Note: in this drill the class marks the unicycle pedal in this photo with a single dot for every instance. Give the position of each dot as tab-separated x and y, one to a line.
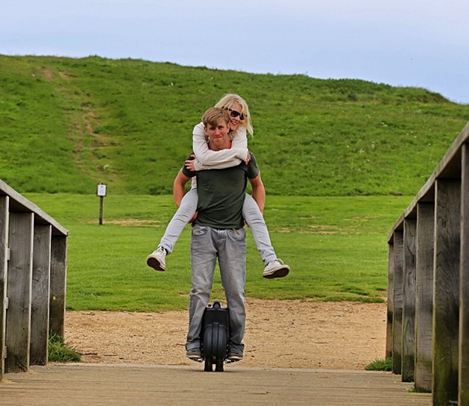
214	336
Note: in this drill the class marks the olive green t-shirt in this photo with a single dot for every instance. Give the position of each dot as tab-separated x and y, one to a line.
221	194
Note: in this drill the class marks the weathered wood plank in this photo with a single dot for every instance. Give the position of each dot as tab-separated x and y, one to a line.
390	301
446	300
4	200
398	297
464	283
408	305
85	384
58	284
19	203
424	296
19	292
40	294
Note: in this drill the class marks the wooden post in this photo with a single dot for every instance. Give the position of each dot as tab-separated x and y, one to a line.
101	209
446	299
408	305
390	304
40	295
101	192
424	299
398	300
4	200
464	283
19	292
58	284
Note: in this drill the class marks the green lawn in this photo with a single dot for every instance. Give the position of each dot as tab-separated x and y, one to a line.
336	248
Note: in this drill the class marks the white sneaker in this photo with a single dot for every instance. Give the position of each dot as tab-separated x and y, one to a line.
276	269
157	259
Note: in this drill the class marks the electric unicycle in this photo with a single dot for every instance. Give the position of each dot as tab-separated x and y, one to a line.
214	336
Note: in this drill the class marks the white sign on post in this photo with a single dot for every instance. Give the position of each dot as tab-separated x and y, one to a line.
102	189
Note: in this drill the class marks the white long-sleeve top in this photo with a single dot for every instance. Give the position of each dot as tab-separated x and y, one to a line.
226	158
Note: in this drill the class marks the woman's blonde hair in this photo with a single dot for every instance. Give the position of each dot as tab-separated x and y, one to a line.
228	100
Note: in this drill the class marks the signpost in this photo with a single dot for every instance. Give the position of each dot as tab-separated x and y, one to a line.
102	191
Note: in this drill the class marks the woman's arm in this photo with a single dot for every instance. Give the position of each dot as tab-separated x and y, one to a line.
208	159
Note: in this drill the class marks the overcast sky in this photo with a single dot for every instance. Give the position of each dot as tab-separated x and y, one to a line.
419	43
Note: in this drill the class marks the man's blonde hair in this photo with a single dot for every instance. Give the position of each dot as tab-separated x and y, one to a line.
213	115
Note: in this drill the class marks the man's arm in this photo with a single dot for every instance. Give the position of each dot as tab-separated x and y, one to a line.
258	191
179	187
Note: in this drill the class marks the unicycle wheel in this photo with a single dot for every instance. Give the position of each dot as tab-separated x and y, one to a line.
214	347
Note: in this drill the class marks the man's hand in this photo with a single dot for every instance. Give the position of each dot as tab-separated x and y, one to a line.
194	217
248	159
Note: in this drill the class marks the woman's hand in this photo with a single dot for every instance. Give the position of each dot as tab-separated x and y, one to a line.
190	163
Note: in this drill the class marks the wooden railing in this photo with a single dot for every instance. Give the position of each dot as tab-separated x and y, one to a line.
33	257
428	292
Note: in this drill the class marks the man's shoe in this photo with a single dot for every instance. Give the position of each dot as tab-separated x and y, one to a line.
194	354
276	269
157	259
234	355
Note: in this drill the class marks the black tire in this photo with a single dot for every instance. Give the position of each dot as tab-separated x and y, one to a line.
219	365
208	364
207	348
219	350
214	348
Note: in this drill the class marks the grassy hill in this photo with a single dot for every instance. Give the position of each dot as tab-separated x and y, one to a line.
67	124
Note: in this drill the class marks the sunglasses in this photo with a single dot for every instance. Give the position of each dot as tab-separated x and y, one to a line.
234	113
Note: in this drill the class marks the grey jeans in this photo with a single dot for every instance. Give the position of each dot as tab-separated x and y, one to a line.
251	214
229	247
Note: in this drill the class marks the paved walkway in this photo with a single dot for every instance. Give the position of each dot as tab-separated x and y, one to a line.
138	385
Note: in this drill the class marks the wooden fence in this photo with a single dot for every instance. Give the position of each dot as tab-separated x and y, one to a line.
33	257
428	271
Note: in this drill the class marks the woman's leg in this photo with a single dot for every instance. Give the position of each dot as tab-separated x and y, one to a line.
255	220
183	215
274	267
185	212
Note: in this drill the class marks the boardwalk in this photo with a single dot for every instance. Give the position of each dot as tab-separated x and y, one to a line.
138	385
